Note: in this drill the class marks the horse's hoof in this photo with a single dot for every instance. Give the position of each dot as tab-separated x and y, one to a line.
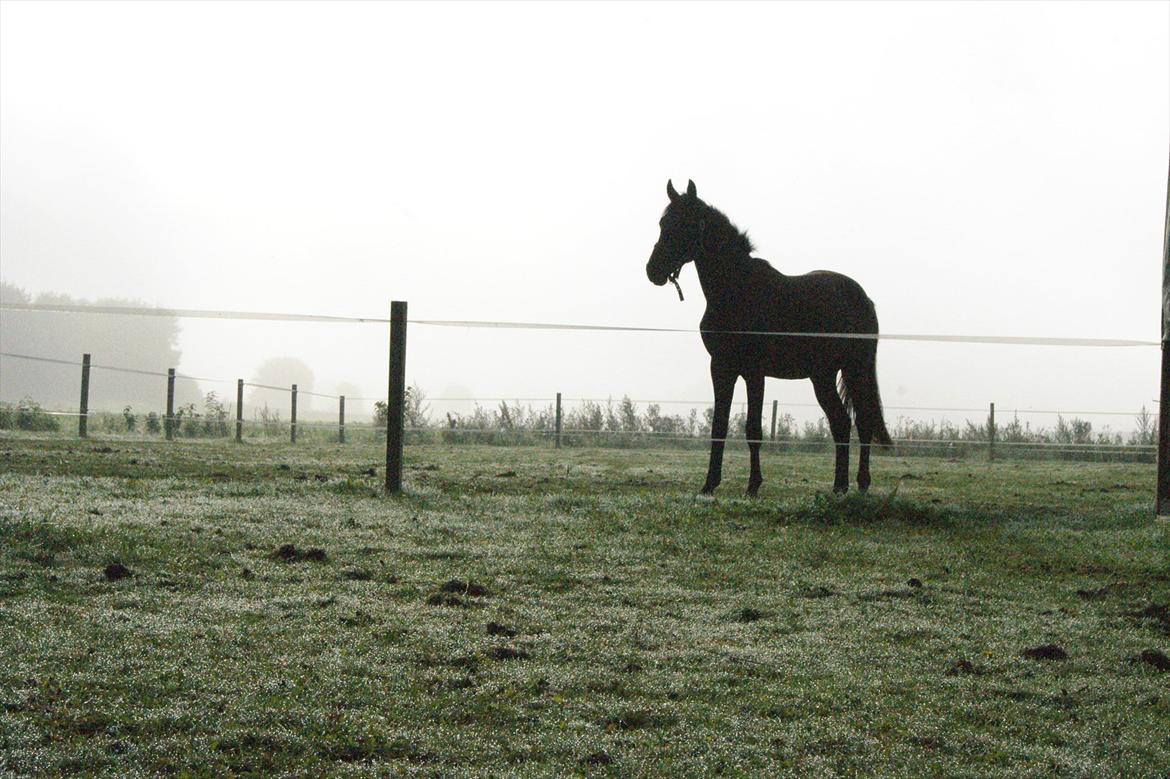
840	490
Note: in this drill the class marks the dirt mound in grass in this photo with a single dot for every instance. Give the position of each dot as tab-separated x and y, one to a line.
288	553
115	571
1101	592
1045	652
445	599
596	758
465	588
748	614
1155	658
1158	612
964	667
496	629
507	653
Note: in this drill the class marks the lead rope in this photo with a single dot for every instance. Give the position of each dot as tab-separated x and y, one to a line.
673	278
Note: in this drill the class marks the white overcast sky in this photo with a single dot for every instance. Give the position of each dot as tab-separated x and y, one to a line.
980	168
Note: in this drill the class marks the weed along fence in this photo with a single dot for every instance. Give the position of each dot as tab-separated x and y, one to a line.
589	423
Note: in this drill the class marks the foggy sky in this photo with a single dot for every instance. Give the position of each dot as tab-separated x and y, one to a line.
979	168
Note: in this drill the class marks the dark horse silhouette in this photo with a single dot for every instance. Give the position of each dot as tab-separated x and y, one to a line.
747	298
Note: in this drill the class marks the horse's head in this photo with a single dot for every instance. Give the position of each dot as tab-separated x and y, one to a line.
679	241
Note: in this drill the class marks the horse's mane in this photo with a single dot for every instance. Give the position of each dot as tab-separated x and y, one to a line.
729	235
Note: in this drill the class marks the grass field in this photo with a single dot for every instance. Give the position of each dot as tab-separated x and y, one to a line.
534	612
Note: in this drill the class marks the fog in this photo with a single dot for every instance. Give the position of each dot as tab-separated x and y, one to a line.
991	169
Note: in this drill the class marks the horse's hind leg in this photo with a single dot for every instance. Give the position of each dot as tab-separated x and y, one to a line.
865	434
863	390
825	388
755	429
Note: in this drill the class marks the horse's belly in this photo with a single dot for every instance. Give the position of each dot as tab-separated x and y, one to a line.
787	372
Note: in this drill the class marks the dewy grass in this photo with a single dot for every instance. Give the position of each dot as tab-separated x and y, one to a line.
531	612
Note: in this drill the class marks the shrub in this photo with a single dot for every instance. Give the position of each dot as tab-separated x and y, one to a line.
27	414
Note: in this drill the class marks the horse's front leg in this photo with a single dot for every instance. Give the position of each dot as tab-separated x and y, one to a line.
755	429
723	383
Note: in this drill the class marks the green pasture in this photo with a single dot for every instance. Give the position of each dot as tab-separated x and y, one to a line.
206	608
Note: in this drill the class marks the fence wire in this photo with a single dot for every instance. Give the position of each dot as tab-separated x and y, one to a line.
506	325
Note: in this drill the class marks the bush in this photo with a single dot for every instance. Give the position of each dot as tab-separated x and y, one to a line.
27	414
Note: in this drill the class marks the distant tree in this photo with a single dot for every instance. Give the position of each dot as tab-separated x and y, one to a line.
145	343
281	372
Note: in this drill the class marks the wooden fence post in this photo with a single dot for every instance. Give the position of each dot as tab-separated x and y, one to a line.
991	434
396	396
1162	499
170	420
292	428
775	406
341	419
558	420
239	410
83	417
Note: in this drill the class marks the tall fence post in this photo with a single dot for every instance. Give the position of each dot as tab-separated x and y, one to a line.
991	434
558	420
341	419
239	410
396	396
83	417
1162	500
169	423
292	427
775	407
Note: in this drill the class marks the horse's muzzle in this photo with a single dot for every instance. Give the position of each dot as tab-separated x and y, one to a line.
657	277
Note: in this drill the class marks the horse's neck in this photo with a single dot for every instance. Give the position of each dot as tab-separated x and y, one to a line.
722	277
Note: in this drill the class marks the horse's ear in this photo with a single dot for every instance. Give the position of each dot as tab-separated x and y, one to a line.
691	189
670	191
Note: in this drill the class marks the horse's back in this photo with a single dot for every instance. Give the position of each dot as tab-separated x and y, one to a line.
817	302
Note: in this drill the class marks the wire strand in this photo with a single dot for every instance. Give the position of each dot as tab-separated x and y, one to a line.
508	325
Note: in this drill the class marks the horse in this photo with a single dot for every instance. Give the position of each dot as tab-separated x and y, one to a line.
748	302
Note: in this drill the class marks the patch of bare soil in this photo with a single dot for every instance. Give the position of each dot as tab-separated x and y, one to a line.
445	599
115	571
964	667
1159	613
596	758
1156	658
496	629
1045	652
1101	592
748	614
288	553
507	653
914	583
465	588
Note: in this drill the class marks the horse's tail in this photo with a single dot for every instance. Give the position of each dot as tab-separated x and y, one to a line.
859	391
